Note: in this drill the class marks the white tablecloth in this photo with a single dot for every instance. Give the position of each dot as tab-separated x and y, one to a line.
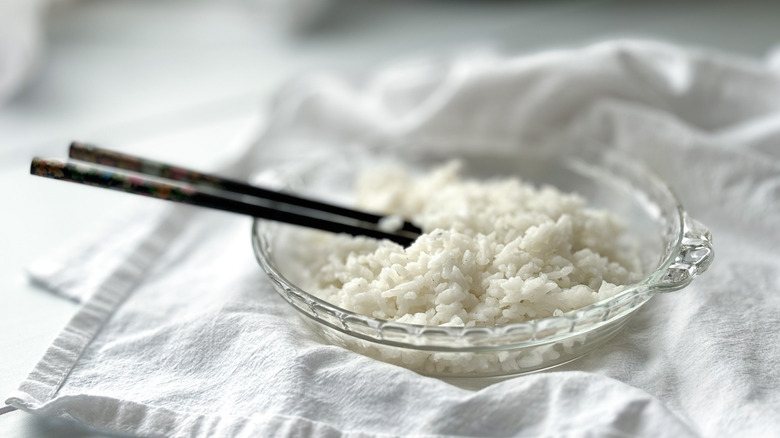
181	335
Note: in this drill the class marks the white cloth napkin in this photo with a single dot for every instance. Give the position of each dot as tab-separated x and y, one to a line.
181	335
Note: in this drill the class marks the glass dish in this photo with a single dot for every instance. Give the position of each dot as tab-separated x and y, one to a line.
674	248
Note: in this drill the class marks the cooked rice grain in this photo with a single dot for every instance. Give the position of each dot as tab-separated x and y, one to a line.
493	252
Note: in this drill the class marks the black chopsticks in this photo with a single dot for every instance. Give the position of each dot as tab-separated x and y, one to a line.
127	173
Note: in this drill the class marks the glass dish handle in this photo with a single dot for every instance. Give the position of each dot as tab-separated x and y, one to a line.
695	256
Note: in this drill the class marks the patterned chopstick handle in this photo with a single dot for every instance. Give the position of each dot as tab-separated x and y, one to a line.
92	154
84	174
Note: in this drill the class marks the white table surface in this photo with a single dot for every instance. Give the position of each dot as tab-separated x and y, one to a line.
153	76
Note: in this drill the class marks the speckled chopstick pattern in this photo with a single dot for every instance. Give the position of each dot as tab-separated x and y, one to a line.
106	178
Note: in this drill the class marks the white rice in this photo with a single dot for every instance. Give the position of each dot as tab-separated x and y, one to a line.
492	252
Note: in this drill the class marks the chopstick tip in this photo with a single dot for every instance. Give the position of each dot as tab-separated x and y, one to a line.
77	148
35	164
43	167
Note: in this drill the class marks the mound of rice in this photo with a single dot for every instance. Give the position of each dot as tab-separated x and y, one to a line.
492	252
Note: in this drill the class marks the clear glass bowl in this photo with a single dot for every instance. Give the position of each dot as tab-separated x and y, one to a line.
674	249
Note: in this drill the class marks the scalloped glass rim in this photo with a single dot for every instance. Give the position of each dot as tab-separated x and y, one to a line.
689	255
